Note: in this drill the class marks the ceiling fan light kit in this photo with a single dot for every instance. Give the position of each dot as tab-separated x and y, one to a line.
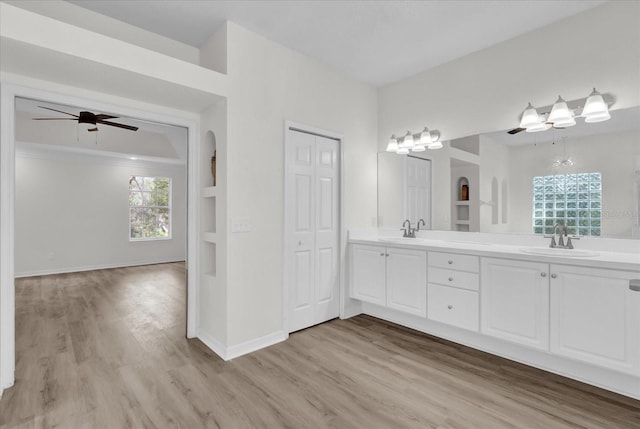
562	116
414	142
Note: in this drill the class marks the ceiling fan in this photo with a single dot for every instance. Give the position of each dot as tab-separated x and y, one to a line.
88	118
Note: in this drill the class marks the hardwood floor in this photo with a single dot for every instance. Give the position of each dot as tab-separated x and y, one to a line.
106	349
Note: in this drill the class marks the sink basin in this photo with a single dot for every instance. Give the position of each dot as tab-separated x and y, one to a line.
407	240
567	253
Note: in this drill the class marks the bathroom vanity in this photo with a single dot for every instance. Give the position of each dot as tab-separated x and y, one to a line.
574	312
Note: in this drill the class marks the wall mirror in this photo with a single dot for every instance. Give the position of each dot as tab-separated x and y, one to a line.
587	176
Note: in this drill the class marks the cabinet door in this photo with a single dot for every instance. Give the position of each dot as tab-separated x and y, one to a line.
514	298
595	317
368	273
407	281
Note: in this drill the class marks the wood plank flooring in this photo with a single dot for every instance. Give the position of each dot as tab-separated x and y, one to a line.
106	349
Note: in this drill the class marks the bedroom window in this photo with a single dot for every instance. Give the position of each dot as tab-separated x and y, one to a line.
574	200
149	208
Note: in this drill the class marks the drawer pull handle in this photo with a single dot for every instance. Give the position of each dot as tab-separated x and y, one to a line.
634	285
553	276
449	262
543	274
450	306
450	279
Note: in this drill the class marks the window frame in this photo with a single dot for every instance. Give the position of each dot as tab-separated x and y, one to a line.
169	208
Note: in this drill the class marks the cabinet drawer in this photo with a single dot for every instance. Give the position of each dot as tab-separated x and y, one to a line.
453	306
454	261
459	279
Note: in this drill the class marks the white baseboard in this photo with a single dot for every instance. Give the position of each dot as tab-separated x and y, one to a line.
232	352
255	344
124	264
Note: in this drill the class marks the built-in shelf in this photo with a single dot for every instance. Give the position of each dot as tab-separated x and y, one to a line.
210	192
463	222
462	203
209	237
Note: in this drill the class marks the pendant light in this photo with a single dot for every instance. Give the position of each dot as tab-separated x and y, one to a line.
392	146
561	116
595	109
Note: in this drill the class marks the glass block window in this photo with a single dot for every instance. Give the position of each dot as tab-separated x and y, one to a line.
149	208
574	200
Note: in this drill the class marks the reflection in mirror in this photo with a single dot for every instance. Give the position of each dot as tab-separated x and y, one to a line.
524	183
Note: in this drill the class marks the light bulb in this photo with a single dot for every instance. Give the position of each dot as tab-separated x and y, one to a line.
392	146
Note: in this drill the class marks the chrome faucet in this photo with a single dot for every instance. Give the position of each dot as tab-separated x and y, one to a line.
563	233
408	231
423	224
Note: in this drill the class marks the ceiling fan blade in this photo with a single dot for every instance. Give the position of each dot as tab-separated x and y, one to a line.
91	130
59	111
516	130
54	119
102	117
113	124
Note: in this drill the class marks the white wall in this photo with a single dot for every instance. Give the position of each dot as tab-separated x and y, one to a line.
614	155
486	91
73	215
268	85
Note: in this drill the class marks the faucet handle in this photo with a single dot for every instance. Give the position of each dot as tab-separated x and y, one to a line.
569	243
553	241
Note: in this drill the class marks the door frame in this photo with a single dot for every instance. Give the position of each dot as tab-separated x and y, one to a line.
404	187
342	239
8	94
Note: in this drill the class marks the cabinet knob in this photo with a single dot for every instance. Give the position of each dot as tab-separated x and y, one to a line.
543	274
553	276
382	254
449	262
450	279
386	254
450	306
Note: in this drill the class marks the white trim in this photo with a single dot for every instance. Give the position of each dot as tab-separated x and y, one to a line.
342	240
7	222
125	264
247	347
232	352
8	93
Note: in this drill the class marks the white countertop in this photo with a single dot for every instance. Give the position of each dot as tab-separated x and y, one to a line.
628	259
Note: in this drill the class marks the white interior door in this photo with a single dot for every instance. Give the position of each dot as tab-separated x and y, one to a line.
418	190
312	206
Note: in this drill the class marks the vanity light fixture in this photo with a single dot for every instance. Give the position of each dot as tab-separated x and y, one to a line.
414	142
561	115
392	146
595	109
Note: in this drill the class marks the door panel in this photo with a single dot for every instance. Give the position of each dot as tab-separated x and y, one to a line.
313	198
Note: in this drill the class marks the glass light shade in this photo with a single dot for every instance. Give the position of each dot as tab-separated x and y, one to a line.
530	117
560	114
418	148
407	141
435	145
392	146
402	151
425	137
595	109
540	126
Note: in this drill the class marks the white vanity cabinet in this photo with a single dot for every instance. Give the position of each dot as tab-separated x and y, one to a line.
452	294
595	316
394	277
514	299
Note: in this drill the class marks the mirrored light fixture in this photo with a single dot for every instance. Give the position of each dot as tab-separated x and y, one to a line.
561	116
392	146
414	142
595	109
